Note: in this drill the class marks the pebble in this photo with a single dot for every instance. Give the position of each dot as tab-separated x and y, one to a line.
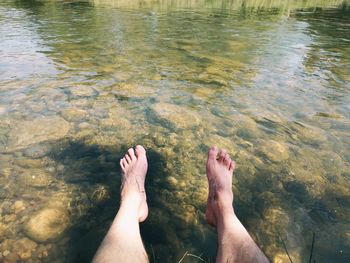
37	151
47	225
18	206
274	151
83	91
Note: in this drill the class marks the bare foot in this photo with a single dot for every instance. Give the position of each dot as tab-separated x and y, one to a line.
134	168
219	173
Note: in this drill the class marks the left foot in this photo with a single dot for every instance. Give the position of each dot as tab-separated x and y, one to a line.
134	168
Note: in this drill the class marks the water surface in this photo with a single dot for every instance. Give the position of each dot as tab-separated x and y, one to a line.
83	81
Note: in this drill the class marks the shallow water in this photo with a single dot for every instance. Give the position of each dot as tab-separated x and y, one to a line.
83	81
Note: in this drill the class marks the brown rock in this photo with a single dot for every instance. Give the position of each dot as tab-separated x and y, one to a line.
175	115
274	151
47	225
25	133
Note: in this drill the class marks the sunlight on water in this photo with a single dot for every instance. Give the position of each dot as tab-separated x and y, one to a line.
81	82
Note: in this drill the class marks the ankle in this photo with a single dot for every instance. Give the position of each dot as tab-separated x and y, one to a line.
225	215
131	200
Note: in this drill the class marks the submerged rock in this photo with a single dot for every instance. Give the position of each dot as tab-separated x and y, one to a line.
18	206
274	151
24	248
47	225
245	126
74	114
37	151
130	90
83	91
26	133
29	163
117	118
34	178
175	116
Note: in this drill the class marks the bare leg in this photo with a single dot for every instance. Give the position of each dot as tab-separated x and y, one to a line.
123	241
235	244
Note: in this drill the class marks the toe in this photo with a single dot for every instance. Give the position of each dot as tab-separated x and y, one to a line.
127	158
222	155
124	163
140	150
131	154
227	161
232	165
213	152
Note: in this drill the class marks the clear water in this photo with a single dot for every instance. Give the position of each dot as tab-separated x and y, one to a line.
83	81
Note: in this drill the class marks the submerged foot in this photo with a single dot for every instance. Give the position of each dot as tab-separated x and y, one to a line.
219	173
134	168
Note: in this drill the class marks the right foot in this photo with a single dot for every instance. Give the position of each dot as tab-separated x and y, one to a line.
219	173
134	168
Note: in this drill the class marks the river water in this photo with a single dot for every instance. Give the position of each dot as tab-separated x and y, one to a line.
80	82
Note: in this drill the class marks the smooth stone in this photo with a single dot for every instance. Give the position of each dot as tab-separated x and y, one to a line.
83	91
47	225
26	133
73	114
35	178
84	125
37	151
177	116
274	151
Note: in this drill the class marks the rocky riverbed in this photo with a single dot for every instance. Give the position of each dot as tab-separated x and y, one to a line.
280	108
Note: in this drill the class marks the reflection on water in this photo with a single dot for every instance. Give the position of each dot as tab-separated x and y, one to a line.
81	82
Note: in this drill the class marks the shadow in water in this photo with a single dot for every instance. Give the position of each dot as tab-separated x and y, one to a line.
281	212
95	171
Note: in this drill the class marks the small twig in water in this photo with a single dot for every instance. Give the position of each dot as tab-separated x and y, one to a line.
284	245
183	257
191	255
312	246
154	258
